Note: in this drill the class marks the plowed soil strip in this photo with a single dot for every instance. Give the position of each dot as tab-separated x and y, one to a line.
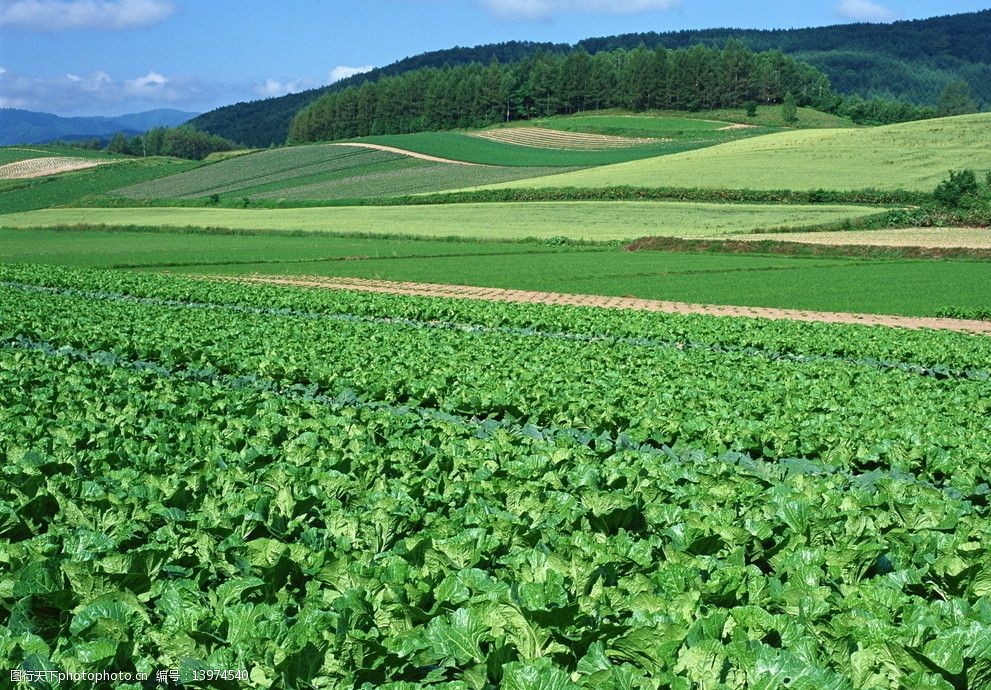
411	154
530	297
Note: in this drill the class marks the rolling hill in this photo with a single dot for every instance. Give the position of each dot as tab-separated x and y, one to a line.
913	155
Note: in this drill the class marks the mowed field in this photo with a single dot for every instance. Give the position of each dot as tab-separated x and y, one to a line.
588	221
320	172
628	138
912	156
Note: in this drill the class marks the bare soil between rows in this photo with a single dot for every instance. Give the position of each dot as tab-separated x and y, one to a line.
604	302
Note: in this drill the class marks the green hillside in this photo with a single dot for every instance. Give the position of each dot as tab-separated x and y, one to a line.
336	171
914	156
321	172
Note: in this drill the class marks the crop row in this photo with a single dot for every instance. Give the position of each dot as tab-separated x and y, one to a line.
770	355
161	520
842	414
267	167
940	351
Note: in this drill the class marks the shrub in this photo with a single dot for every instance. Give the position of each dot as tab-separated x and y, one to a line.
958	189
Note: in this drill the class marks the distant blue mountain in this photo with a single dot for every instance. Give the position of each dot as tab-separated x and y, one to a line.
27	127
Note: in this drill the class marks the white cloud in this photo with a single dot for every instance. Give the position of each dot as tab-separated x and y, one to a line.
59	15
545	9
864	11
99	92
344	71
273	87
153	82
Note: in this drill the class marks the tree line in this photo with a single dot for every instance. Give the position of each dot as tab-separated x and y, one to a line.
180	142
475	95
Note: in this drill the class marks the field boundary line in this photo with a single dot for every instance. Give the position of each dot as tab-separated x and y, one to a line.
630	303
411	154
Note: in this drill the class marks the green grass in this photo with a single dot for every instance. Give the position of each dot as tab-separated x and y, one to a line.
773	116
681	130
12	154
464	147
911	288
913	156
162	249
320	172
587	221
917	288
68	188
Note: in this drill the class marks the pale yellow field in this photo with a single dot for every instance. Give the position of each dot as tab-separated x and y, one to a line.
942	238
912	155
587	220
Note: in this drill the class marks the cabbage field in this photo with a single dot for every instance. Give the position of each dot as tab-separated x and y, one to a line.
343	490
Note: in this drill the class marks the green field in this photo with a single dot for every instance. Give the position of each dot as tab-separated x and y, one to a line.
320	172
912	156
166	249
914	288
910	288
331	489
645	126
71	187
461	146
588	221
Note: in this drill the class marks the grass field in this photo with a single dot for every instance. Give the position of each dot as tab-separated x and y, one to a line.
913	288
163	249
913	156
680	129
910	288
588	221
67	188
471	149
319	172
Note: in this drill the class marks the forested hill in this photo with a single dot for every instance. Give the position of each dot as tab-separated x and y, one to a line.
265	122
908	60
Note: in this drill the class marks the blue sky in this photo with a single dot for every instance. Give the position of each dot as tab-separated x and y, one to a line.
105	57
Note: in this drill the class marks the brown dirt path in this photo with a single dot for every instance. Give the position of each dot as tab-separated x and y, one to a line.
530	297
411	154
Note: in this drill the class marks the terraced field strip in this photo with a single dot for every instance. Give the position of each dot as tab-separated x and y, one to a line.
405	152
42	167
532	297
925	238
541	137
